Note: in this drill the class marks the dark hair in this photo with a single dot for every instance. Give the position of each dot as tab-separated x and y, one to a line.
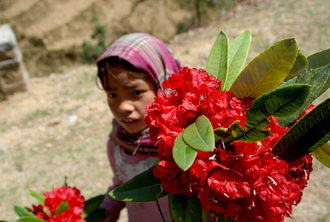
107	65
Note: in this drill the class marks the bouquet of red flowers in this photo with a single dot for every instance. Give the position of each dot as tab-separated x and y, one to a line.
63	204
236	143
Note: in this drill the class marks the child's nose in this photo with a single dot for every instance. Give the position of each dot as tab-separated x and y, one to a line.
126	106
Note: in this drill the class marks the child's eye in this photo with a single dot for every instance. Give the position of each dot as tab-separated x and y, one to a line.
111	95
137	92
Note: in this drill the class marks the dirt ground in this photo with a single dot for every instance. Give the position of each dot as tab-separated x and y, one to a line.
59	127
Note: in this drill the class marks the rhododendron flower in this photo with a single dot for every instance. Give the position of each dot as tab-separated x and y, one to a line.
241	180
53	199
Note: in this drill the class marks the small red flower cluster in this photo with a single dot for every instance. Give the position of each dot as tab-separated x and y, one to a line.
241	180
69	194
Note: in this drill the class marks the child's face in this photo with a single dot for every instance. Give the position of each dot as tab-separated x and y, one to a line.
128	97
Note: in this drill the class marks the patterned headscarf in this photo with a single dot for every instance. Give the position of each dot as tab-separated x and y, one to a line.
149	55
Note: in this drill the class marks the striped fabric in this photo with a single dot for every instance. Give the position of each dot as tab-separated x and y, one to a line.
149	55
146	53
133	143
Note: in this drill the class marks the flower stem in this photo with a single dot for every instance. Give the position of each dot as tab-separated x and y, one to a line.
160	211
205	216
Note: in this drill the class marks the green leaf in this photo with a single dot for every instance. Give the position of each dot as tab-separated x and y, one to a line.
93	204
299	66
63	206
183	155
221	134
21	212
322	154
144	187
278	103
266	71
223	219
184	209
289	82
199	135
319	59
249	134
46	212
96	215
29	219
238	52
40	198
308	134
217	64
316	78
236	132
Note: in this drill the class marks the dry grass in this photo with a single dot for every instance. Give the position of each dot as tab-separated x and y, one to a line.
39	147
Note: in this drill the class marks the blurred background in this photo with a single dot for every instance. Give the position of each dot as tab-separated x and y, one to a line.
59	123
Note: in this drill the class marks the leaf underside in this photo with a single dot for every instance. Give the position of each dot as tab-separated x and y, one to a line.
322	154
319	59
299	67
266	71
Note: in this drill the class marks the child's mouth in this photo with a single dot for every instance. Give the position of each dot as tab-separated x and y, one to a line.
129	120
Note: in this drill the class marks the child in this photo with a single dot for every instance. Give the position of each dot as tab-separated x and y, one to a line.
131	71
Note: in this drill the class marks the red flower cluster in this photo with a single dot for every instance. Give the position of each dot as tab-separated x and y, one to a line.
242	180
69	194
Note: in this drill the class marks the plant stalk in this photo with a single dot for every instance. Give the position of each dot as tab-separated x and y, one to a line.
205	216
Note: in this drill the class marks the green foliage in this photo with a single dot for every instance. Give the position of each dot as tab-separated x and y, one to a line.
322	154
90	51
63	206
40	198
222	218
96	215
144	187
308	134
238	51
317	60
299	66
266	71
197	136
92	204
217	64
183	155
29	219
316	79
184	209
36	114
22	212
279	103
92	210
261	79
181	28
